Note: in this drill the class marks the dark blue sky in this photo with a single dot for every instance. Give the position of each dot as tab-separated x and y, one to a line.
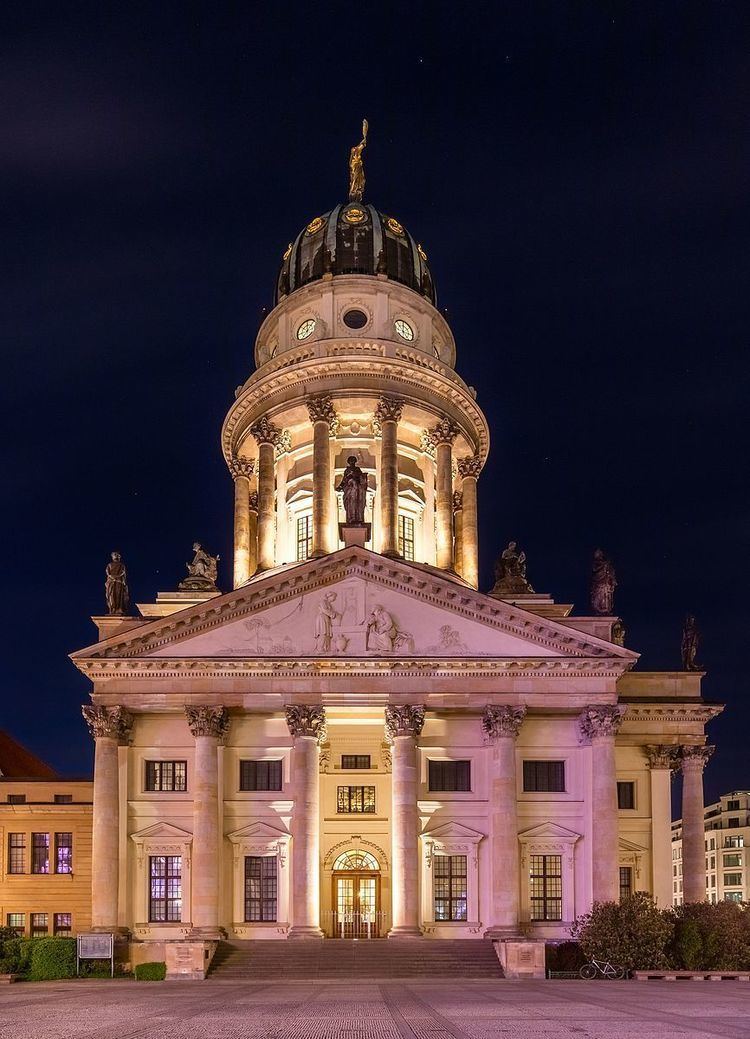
578	174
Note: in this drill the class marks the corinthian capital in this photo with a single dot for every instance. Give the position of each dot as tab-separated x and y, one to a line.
208	721
694	757
469	466
388	410
601	720
113	723
403	720
662	755
321	410
241	467
445	432
265	432
304	720
498	721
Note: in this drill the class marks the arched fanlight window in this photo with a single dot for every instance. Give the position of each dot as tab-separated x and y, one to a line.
356	860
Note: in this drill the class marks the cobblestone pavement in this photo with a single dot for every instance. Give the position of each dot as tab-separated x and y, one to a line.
375	1010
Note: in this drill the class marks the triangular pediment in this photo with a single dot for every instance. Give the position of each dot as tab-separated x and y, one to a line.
549	831
163	831
629	846
258	831
355	604
452	830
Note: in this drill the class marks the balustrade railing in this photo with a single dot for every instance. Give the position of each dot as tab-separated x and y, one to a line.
355	924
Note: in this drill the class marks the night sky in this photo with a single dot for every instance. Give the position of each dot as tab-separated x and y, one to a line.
578	174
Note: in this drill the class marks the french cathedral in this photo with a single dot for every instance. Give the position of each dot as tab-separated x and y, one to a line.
357	741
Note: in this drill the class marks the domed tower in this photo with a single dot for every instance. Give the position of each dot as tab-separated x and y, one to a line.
355	360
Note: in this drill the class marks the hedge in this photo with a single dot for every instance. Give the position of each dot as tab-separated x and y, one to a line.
52	959
153	971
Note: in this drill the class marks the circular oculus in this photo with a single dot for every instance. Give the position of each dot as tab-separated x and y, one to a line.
404	329
355	318
306	329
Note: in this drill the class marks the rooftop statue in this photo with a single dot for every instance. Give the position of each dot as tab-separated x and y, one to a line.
510	573
202	572
690	641
603	584
116	592
353	486
356	167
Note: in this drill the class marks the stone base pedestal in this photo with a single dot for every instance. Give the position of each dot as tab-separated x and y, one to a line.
206	934
521	957
503	934
304	933
355	534
188	961
405	932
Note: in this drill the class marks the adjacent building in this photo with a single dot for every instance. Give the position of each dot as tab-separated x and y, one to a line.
726	844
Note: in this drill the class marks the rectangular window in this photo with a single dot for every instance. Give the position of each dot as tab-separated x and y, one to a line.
63	799
732	880
734	842
626	881
733	806
546	887
63	853
260	888
732	860
732	896
167	776
16	853
626	795
733	824
357	799
165	888
712	844
39	925
40	853
449	775
17	923
63	924
16	799
713	880
544	776
260	775
406	537
304	537
355	761
449	887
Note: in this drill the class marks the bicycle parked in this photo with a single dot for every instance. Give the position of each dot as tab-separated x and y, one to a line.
603	968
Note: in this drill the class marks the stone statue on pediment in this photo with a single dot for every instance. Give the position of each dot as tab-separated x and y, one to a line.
690	642
202	572
353	487
116	592
603	584
510	573
382	634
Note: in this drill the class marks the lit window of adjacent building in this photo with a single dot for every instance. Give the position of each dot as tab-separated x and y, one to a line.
355	761
733	824
63	924
17	923
733	806
355	799
545	880
449	776
732	880
734	842
165	889
449	886
712	844
16	799
40	853
406	537
63	799
16	853
260	888
166	776
626	795
304	537
544	776
39	925
260	775
63	853
732	896
732	860
626	881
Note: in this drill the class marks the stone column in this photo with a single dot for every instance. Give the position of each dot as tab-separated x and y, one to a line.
458	532
501	726
402	728
266	435
325	425
110	727
252	558
662	759
442	436
308	727
242	470
468	470
692	762
599	723
209	727
388	415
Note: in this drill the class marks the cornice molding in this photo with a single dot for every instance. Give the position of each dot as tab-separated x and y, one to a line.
674	712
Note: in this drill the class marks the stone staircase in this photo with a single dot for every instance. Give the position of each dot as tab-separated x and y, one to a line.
340	958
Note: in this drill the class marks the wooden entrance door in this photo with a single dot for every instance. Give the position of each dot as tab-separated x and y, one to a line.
356	900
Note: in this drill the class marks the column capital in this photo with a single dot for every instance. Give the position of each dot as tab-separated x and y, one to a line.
500	721
600	721
694	758
426	446
403	720
283	443
208	721
321	409
265	432
246	467
304	720
469	466
445	432
113	723
662	755
458	501
388	410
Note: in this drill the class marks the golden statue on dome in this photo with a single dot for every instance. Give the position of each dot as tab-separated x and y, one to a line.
356	167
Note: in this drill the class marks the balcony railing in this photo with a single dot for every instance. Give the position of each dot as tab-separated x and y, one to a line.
355	924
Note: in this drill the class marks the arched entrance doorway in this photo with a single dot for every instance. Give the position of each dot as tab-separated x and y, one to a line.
356	895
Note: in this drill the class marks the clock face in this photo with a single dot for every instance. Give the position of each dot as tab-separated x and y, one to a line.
306	329
404	329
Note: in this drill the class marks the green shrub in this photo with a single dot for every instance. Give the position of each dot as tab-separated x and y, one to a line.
16	953
632	933
7	966
52	959
154	971
711	936
564	956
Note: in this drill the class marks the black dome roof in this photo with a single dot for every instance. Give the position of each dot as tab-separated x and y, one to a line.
355	238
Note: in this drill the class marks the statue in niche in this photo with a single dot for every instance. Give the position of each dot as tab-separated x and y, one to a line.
510	573
353	487
116	593
690	641
202	572
383	635
603	584
324	623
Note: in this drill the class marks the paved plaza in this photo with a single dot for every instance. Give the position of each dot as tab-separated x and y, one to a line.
375	1010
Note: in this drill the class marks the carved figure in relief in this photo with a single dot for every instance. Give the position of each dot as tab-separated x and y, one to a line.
324	623
202	571
116	592
383	634
353	487
690	642
510	572
603	584
449	641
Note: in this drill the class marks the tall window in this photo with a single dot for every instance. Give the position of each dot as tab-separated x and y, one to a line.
356	799
17	922
165	894
260	775
304	537
626	881
63	853
40	853
449	886
626	795
166	775
63	924
544	776
16	853
260	888
406	537
355	760
546	887
449	775
39	925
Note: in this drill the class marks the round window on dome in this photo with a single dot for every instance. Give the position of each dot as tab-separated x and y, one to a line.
404	329
355	318
306	329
